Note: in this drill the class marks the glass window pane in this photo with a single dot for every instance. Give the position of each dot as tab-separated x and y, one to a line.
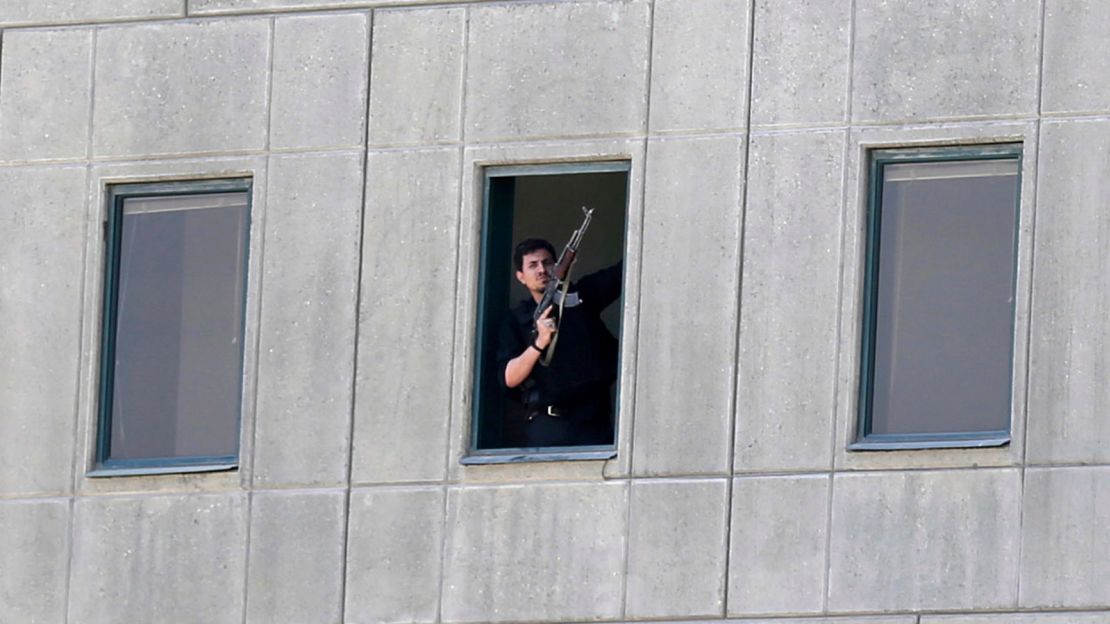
944	297
179	326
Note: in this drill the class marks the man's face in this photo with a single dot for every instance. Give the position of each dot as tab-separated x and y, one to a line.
536	270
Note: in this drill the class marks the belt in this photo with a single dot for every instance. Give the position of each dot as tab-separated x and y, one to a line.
545	410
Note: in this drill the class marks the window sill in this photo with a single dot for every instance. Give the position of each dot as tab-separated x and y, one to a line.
133	471
521	456
920	443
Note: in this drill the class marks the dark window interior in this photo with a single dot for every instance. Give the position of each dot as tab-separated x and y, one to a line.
542	202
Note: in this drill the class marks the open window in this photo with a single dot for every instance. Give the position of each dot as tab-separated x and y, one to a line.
172	337
939	307
541	419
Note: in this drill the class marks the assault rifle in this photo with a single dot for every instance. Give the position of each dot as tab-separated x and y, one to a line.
555	292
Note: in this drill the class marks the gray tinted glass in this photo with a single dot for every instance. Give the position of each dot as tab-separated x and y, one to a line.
179	327
945	297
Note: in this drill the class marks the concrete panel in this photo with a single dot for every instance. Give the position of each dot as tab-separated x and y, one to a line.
800	71
699	65
295	569
35	543
18	13
42	216
306	354
45	91
1065	548
788	305
1019	618
557	69
918	59
778	552
551	552
319	90
181	87
174	558
394	555
402	400
417	74
202	7
925	540
1070	360
686	360
677	542
1074	78
851	620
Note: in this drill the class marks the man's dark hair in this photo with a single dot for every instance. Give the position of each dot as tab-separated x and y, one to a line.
527	246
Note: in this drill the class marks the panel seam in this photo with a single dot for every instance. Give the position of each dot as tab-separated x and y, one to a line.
460	195
345	537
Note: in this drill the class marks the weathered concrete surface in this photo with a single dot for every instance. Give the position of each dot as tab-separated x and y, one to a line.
699	67
170	88
33	568
925	540
576	68
1019	618
174	558
1065	547
45	94
295	562
306	351
800	65
777	561
677	545
318	97
19	12
915	59
1074	71
417	68
686	361
536	552
786	386
42	215
403	387
1070	343
207	7
394	555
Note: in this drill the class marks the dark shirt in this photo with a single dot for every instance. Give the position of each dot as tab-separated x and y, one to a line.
585	362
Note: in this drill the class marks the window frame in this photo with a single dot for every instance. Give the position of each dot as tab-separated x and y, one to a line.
117	194
878	159
488	266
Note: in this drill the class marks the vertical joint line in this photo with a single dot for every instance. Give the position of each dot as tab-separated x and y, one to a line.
734	411
628	408
346	528
451	384
839	350
1030	296
93	236
270	83
260	264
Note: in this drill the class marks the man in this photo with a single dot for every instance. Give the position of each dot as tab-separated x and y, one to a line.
566	402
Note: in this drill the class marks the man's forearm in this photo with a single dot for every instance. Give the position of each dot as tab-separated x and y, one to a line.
518	368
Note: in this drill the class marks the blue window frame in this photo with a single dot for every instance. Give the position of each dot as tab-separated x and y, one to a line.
939	297
171	364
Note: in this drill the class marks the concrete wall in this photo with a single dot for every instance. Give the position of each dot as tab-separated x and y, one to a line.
364	126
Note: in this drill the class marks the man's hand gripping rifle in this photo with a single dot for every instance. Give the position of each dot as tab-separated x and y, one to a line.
555	292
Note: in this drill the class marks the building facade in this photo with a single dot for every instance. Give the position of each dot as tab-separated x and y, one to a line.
738	488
